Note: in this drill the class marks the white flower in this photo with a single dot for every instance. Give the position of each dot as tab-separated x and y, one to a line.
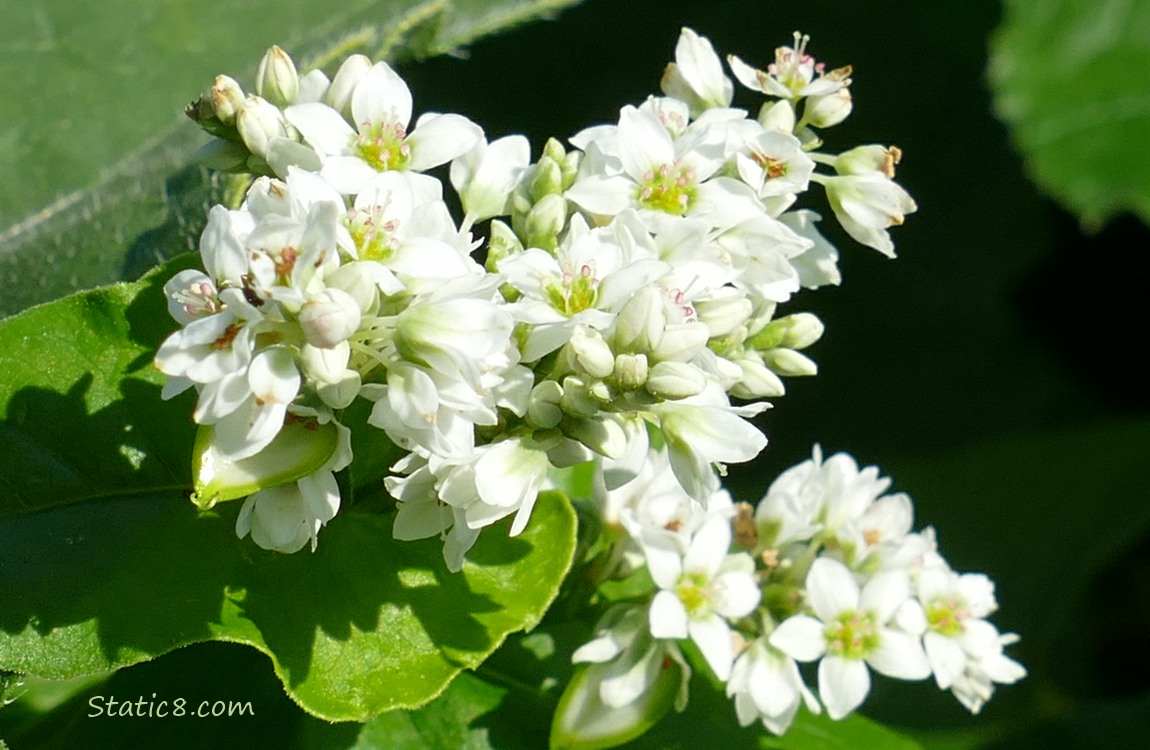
486	175
696	77
381	108
704	430
793	75
654	173
286	517
701	590
986	666
866	205
965	651
851	629
766	685
633	659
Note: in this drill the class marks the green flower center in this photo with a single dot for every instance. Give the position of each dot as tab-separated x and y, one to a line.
381	146
854	635
372	235
692	591
669	189
945	616
575	293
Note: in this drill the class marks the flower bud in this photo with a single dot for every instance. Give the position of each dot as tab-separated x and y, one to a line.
779	115
757	381
591	353
326	365
486	175
567	452
259	122
543	405
343	85
226	98
602	434
502	245
681	342
829	109
545	220
868	160
276	78
724	315
640	324
675	380
576	401
364	280
329	318
546	178
789	363
631	370
797	331
340	394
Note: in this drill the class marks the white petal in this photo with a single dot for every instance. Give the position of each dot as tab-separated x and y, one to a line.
900	655
801	637
381	96
709	548
668	616
602	195
843	685
322	127
885	593
946	658
712	635
437	139
831	589
644	144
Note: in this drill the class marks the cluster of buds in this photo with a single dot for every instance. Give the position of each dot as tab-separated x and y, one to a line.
625	319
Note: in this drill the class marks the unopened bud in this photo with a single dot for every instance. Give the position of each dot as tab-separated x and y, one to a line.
259	122
868	160
543	405
340	394
675	380
724	315
602	434
757	381
325	365
329	318
640	324
349	74
503	244
829	109
576	400
546	178
681	342
545	220
226	98
631	370
778	116
789	363
591	353
276	78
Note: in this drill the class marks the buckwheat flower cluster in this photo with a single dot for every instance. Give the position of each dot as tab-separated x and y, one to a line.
625	314
826	570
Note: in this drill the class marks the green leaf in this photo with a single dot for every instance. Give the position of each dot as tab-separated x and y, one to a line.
362	625
80	411
106	563
95	128
1066	79
821	733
